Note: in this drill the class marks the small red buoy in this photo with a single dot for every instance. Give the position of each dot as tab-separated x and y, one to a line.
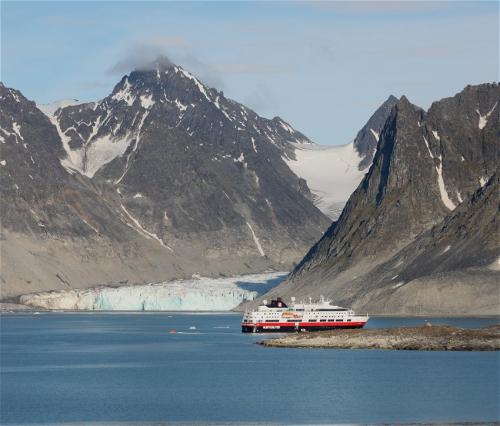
173	331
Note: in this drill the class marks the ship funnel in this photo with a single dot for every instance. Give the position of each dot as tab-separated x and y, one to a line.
264	302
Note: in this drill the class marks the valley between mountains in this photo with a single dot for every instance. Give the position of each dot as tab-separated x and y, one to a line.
167	179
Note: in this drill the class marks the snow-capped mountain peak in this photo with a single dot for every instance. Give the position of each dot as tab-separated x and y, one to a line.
163	94
193	178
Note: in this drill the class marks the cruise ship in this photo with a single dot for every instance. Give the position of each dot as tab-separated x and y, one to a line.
277	316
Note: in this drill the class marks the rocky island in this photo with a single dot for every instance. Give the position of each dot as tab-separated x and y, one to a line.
422	338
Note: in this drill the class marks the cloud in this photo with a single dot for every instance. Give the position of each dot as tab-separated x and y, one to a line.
146	53
138	57
142	54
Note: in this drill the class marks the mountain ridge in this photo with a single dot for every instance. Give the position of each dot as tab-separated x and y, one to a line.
425	165
223	204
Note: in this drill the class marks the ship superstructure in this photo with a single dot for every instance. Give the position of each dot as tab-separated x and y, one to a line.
277	316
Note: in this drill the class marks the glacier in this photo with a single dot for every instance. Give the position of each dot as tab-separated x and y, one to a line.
196	294
331	172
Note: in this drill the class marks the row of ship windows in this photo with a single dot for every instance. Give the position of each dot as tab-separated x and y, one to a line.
319	310
299	320
277	314
313	320
322	310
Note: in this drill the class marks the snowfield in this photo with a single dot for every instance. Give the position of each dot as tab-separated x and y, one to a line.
197	294
331	173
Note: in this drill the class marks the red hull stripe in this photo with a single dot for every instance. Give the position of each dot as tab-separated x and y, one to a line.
304	324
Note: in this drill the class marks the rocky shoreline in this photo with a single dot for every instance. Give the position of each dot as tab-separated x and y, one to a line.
422	338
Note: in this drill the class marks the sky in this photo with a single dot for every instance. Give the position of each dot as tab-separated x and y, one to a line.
322	66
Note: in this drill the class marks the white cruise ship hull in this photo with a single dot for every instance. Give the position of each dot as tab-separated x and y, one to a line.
303	326
278	317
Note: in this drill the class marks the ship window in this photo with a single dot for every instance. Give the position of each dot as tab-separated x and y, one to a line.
348	320
273	320
340	320
293	320
323	320
330	310
312	320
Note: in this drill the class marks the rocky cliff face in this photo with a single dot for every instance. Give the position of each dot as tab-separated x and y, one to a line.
426	164
367	138
166	174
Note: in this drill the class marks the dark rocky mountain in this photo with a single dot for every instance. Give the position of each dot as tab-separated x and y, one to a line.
166	98
457	260
367	138
193	167
162	162
60	230
425	165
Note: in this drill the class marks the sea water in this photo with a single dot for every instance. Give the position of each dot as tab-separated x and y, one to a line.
60	368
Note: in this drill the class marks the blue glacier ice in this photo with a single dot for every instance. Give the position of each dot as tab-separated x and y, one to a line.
197	294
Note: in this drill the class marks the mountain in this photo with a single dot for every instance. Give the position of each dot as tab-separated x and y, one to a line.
333	172
197	169
456	260
367	138
426	163
163	98
59	230
164	175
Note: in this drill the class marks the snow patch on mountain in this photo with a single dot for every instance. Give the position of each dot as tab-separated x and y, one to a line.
102	151
445	198
124	94
180	105
331	173
256	241
143	231
198	294
147	101
483	119
17	130
375	134
286	126
253	145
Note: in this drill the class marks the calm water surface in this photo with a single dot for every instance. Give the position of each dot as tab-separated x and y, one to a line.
122	367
